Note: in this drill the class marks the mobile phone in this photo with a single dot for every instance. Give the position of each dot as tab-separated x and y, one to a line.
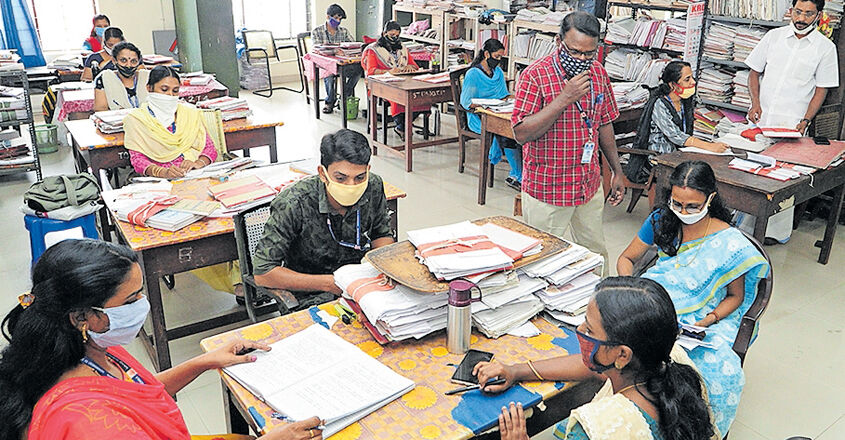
821	140
463	374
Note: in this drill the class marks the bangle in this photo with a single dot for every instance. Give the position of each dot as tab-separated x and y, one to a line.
531	366
715	316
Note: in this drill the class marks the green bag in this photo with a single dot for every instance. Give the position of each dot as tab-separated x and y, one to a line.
62	191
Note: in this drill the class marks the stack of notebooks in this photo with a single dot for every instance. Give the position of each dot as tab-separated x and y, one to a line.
715	83
197	79
156	59
568	302
110	121
242	193
230	108
741	96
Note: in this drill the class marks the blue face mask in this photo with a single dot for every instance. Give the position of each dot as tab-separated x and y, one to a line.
333	22
124	323
100	31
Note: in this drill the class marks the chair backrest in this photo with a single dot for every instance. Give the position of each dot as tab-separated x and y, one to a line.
249	228
303	41
259	39
748	322
212	119
456	78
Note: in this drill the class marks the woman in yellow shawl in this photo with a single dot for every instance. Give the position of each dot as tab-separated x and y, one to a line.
166	138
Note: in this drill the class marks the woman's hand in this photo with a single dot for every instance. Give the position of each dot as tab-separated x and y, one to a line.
188	165
719	147
165	172
228	354
302	430
485	371
707	321
410	68
395	71
512	423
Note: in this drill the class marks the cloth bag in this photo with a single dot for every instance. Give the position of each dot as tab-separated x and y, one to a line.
61	191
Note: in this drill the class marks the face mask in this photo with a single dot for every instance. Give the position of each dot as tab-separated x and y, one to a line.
100	31
571	65
334	22
804	31
124	323
346	195
492	63
589	347
690	219
107	49
163	107
685	92
126	71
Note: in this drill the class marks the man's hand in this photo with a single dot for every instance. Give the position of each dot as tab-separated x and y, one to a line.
576	87
617	190
754	113
802	126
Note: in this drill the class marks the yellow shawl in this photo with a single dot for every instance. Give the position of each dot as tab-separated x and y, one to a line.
147	136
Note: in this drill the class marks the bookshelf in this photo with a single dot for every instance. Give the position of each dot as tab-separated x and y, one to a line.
516	63
19	77
405	15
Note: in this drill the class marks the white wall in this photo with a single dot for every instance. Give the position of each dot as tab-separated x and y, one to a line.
138	18
318	13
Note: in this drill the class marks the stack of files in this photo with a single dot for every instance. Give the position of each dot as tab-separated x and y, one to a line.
110	121
772	10
12	103
648	33
461	44
804	151
705	122
629	95
326	49
12	115
499	321
317	373
219	169
541	45
737	141
768	167
746	40
230	108
554	18
12	145
514	244
620	29
67	61
167	219
495	105
636	65
719	42
728	126
496	283
715	84
397	312
238	192
536	15
524	286
590	262
741	96
522	43
570	300
458	250
350	49
12	92
676	35
156	59
197	79
834	9
549	265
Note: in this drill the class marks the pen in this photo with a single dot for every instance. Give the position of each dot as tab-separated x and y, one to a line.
259	419
474	387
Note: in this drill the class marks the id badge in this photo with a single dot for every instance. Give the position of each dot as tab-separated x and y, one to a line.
587	156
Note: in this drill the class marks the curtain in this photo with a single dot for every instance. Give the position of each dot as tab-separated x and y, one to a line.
19	32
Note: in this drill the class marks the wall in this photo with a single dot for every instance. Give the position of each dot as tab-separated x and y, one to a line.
138	18
318	13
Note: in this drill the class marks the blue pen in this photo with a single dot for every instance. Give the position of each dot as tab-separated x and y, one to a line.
259	419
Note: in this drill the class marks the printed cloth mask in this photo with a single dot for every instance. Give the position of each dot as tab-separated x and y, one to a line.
100	31
571	65
492	63
333	22
124	323
685	92
346	195
804	31
589	347
126	71
691	219
163	107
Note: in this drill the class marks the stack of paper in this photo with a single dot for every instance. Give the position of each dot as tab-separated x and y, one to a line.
167	220
386	77
588	263
219	169
705	122
13	108
68	61
350	49
10	60
753	9
435	78
495	105
746	40
230	108
620	29
521	43
237	193
458	250
676	34
570	300
156	59
397	312
197	79
715	83
524	286
541	45
110	121
497	322
719	42
629	95
636	65
741	96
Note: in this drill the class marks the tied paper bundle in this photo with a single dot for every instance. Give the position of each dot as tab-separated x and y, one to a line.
568	302
396	311
152	212
110	121
507	309
458	250
230	108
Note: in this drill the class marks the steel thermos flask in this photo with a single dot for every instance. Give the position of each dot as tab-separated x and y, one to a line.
459	317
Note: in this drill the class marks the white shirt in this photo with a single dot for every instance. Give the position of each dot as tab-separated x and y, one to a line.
792	69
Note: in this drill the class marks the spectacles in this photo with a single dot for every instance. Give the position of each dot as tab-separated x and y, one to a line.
577	53
808	14
692	208
357	245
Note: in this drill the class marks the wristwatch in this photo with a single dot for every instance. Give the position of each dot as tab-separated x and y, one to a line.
805	119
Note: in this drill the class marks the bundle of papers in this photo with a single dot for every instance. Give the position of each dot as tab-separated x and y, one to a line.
571	298
156	59
68	61
522	286
705	122
495	105
350	49
676	34
746	40
239	192
230	108
547	267
636	65
715	83
741	96
110	121
167	220
12	115
753	9
629	95
497	322
719	42
620	29
397	312
590	262
197	79
458	250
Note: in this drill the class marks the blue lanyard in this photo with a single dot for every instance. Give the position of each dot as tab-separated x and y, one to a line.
102	371
357	245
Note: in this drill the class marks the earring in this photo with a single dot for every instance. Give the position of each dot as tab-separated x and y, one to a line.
85	332
616	364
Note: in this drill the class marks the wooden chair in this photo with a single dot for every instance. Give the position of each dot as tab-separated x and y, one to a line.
456	78
749	321
627	121
261	46
302	45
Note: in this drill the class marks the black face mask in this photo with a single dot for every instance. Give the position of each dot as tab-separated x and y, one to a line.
126	71
492	63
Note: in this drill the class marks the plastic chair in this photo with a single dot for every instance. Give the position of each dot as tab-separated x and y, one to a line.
45	232
260	45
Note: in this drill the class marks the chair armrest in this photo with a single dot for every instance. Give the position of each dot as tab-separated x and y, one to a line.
259	49
637	151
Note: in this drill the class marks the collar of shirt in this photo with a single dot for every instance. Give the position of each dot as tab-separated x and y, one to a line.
325	207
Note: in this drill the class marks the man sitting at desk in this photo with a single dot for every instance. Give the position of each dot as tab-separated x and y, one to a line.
333	33
324	222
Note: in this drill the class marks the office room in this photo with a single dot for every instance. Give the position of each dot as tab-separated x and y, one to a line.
421	219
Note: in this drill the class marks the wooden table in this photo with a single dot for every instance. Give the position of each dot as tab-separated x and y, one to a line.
410	93
425	412
762	196
204	243
342	66
491	124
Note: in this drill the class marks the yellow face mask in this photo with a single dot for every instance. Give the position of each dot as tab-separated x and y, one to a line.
346	195
685	92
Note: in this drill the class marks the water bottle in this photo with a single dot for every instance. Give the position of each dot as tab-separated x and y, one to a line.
459	316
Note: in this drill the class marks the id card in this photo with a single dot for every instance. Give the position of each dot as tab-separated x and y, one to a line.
587	156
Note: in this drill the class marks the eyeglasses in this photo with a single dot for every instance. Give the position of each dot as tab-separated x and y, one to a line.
808	14
691	208
577	53
357	245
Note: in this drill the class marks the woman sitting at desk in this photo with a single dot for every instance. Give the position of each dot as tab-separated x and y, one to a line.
94	42
666	123
710	270
102	60
65	374
118	89
388	55
486	80
651	389
166	138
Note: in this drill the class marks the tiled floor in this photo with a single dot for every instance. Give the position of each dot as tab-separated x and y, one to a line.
794	379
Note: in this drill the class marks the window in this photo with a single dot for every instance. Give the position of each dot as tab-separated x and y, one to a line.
63	25
284	18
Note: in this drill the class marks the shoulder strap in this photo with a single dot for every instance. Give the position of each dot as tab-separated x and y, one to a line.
70	190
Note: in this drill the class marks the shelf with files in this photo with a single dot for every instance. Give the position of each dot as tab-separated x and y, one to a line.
518	26
674	53
420	39
647	5
29	122
726	105
728	63
748	21
405	15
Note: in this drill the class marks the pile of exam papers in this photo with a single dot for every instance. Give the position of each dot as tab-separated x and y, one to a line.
629	95
715	83
230	108
110	121
635	65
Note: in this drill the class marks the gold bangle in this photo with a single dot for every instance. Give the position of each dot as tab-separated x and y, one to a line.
531	366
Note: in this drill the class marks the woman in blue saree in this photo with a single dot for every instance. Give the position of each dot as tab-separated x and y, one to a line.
711	272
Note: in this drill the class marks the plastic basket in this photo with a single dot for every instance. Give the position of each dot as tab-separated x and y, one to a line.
47	138
352	107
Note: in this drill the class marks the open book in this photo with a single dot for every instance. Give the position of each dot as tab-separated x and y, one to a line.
317	373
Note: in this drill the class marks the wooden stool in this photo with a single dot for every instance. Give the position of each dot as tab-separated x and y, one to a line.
517	205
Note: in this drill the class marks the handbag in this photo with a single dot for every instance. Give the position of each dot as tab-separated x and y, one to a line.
61	191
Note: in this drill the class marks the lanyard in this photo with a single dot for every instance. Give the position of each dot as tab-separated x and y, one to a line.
102	371
357	245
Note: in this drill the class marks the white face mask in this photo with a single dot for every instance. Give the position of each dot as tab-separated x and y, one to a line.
124	323
804	31
691	219
107	49
163	107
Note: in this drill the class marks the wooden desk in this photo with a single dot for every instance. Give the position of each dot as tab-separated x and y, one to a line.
424	412
762	196
342	66
491	124
204	243
409	93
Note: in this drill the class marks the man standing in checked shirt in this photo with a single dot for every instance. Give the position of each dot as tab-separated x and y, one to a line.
562	115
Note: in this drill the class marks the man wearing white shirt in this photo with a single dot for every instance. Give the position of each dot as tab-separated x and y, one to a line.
798	65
